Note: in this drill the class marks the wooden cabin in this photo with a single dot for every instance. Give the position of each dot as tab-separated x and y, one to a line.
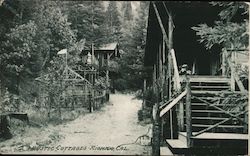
102	55
194	118
101	59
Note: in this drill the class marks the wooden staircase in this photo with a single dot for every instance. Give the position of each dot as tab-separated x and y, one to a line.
203	115
213	127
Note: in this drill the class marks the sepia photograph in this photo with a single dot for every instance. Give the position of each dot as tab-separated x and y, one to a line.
124	77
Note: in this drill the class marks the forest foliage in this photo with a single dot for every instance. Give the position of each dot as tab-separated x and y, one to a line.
32	32
221	32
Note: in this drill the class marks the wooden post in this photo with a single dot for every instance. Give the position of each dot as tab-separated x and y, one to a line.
181	116
93	99
188	113
223	61
232	71
144	93
246	119
164	66
154	78
85	93
107	77
160	73
163	85
170	42
156	127
90	102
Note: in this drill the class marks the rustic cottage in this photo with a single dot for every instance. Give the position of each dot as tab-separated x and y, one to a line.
191	83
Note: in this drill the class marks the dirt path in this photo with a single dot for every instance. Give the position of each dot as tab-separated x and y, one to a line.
102	131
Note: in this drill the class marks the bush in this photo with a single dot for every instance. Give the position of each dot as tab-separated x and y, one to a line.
140	115
120	84
150	97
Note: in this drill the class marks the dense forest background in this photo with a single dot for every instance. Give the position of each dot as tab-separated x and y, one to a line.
32	32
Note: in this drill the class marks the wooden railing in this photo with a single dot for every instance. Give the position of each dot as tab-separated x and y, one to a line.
232	116
96	101
176	78
230	59
178	101
176	96
167	106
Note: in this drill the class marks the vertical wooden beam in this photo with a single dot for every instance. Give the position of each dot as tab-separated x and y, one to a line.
93	54
223	61
107	70
160	77
245	119
170	47
90	102
232	71
188	113
181	116
107	77
144	94
160	23
163	85
156	125
154	79
163	66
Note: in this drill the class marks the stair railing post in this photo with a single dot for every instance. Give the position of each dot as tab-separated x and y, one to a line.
156	126
232	71
188	112
90	102
245	119
181	115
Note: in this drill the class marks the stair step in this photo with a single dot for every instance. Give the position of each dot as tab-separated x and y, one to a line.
203	104
165	151
208	118
211	111
209	79
176	143
218	136
220	126
211	98
211	87
210	92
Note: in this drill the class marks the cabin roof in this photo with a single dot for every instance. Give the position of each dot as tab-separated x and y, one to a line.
106	48
110	46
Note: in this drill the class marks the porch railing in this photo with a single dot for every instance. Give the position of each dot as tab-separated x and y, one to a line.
176	78
230	59
174	86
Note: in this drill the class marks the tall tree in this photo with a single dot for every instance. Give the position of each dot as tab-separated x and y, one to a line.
112	23
133	43
128	16
87	18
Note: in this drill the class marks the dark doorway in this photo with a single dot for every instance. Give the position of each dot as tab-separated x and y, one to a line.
185	41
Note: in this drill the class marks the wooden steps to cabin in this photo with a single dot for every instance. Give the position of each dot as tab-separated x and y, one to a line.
225	143
203	115
230	134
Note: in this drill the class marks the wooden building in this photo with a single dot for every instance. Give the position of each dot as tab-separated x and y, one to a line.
190	107
101	59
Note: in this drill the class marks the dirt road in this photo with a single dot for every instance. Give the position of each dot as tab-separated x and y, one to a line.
102	131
